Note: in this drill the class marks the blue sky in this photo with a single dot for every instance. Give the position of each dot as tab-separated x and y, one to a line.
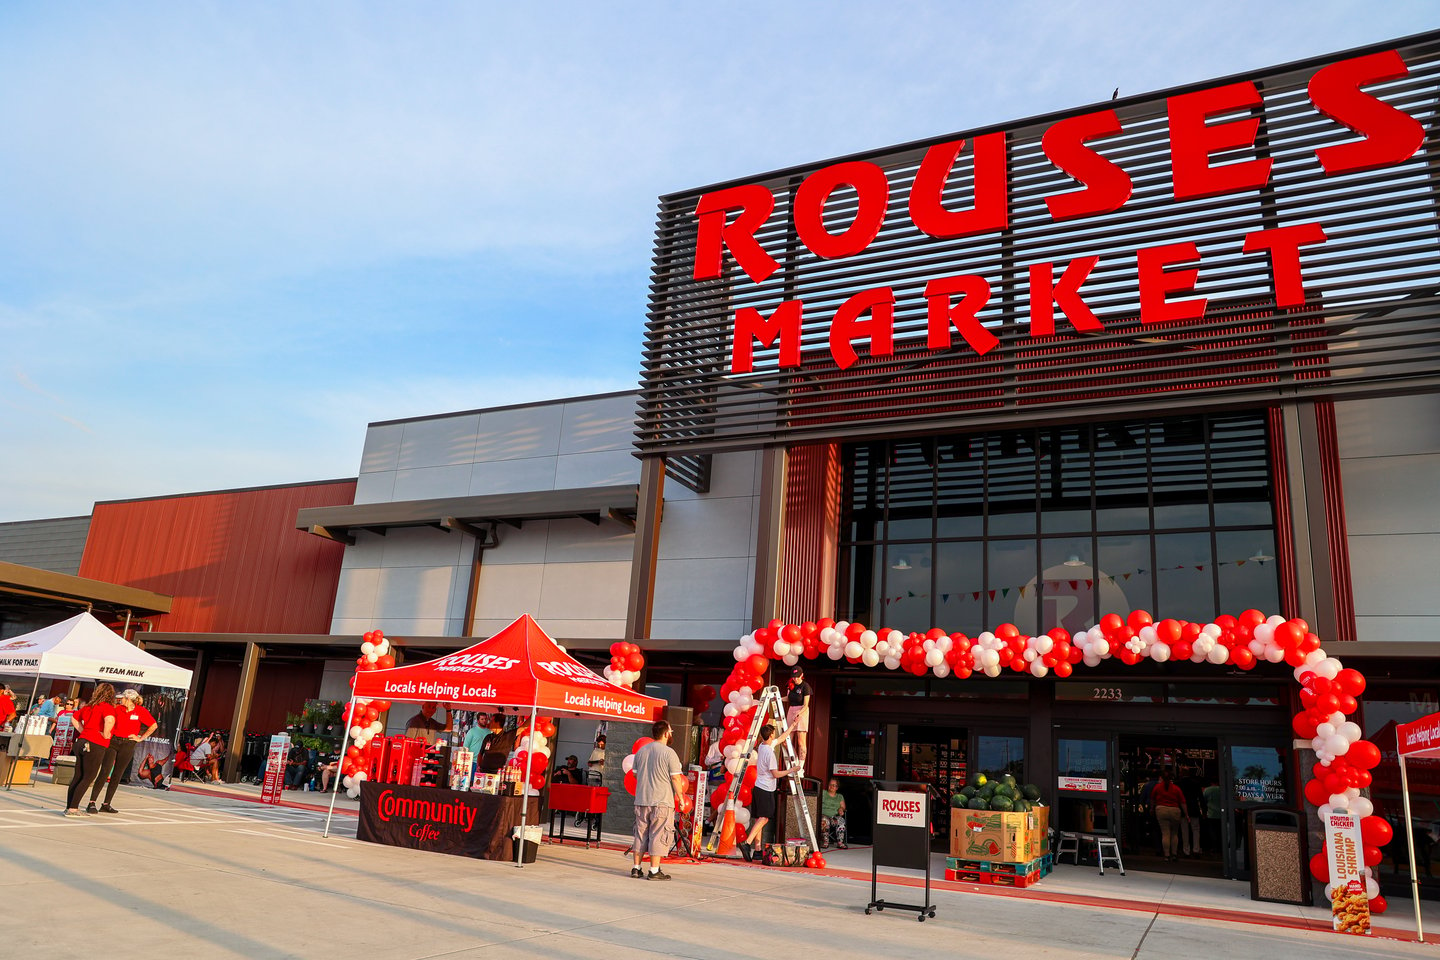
233	234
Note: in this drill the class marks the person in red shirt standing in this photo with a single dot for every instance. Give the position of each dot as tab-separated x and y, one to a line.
7	704
133	723
96	723
1168	802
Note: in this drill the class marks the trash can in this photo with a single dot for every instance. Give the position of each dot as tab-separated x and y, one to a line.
1278	865
63	770
531	844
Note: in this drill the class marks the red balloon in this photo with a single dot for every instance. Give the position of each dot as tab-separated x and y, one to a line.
1062	669
1111	623
635	747
1288	635
1376	831
1364	755
635	661
538	762
1138	619
1316	793
1320	867
384	661
630	783
1373	856
381	705
1351	681
1378	904
1168	631
537	782
757	665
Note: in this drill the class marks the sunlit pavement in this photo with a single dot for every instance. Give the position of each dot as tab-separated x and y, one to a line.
209	874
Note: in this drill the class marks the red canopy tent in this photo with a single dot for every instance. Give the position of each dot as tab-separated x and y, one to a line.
1419	738
518	668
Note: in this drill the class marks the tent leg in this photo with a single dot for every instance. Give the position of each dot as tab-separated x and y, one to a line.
525	791
339	769
1410	844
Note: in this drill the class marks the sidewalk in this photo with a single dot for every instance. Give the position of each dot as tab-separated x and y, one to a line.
1204	898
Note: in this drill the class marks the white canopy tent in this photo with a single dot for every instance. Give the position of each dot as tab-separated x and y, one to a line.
83	648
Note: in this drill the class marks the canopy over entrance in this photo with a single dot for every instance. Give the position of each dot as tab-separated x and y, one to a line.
83	648
518	667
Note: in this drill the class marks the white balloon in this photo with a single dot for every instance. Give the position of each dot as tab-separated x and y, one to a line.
628	764
1100	647
1362	807
934	658
1350	730
1339	801
1257	647
362	775
1329	891
355	732
989	658
348	781
853	649
835	653
942	670
871	658
367	648
790	659
992	671
1043	644
1372	889
1148	634
742	816
371	657
781	648
1325	730
383	647
731	710
1264	633
1314	658
1212	630
868	639
1351	793
1274	621
896	638
740	653
882	649
1038	669
1323	811
744	693
892	662
1274	654
542	751
1092	660
1159	651
1218	654
1030	655
354	792
1337	746
732	766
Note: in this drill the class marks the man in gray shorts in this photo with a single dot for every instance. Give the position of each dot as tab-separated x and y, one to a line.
659	780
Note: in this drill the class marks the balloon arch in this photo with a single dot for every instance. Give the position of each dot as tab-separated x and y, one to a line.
1328	689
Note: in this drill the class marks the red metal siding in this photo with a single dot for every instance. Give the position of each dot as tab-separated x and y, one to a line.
1339	545
811	532
232	560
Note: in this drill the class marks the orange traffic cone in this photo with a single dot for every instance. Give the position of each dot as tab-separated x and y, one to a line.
726	846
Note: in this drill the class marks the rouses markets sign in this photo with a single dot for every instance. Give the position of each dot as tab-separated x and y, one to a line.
1254	239
1208	128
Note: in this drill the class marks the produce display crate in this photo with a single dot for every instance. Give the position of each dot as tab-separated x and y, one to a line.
998	873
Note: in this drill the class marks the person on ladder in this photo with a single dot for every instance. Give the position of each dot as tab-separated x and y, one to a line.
762	799
797	710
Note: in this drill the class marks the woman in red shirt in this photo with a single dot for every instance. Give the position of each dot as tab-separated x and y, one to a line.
1168	802
95	721
133	723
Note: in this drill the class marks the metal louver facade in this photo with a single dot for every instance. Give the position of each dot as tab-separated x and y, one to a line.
1366	325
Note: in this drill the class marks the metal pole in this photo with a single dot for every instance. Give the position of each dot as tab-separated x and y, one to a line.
525	790
335	783
1410	845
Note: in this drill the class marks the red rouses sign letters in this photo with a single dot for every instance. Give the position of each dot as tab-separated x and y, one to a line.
730	218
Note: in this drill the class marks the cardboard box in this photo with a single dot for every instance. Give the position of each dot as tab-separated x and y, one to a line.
991	835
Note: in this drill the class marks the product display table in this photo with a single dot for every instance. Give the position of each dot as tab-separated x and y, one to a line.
20	752
463	823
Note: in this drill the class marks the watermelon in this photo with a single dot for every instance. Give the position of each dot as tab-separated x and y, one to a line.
968	792
1030	792
1005	790
1008	779
958	801
1022	806
978	803
1002	803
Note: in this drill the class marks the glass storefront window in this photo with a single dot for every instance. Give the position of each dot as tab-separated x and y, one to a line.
1259	775
1053	527
1082	758
996	756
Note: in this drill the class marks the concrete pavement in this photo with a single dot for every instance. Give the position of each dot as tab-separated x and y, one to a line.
204	876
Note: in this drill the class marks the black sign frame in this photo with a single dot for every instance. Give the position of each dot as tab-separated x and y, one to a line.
907	848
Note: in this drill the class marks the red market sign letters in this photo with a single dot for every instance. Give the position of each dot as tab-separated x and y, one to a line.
1204	126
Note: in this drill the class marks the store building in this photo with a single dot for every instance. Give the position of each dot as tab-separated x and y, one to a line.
1174	352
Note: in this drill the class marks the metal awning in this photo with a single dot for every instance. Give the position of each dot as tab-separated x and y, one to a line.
25	587
593	504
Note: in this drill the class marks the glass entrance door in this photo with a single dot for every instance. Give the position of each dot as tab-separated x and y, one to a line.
1253	775
1084	786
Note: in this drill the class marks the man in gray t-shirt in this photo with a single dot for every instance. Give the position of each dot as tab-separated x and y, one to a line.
659	781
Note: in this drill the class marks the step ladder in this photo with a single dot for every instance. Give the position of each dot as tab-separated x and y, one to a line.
770	709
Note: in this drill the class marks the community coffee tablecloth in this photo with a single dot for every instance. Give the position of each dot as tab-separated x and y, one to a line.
462	823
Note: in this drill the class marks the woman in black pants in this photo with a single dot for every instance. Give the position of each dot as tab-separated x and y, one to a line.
95	721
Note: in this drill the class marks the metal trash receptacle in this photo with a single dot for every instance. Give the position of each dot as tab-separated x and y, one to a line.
62	770
1278	867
